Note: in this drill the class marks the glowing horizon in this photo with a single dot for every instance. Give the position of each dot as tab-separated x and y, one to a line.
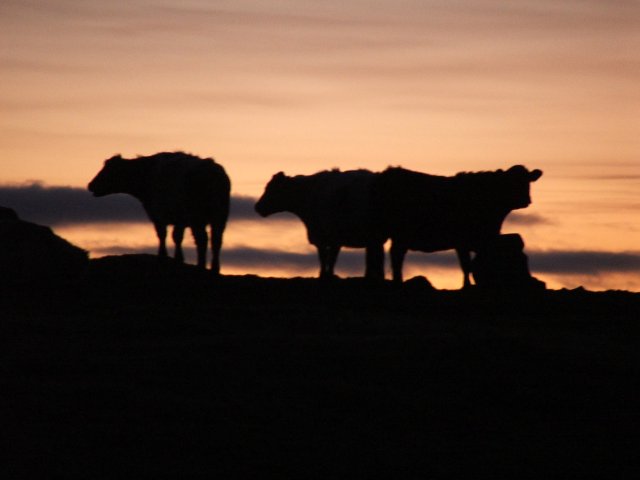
277	246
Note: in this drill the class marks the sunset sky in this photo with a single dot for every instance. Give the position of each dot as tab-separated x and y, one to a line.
438	86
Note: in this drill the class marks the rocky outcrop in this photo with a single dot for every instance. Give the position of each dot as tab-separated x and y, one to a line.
502	264
31	252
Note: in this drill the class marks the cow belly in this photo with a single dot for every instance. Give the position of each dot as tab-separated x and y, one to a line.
355	238
351	239
177	214
342	241
342	231
428	246
429	241
351	243
444	234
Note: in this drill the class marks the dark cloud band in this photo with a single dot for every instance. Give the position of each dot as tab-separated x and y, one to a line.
351	262
585	262
55	206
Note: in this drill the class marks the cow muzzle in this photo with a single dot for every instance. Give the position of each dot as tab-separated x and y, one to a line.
93	191
260	210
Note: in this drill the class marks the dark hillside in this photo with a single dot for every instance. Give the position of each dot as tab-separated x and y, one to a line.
147	369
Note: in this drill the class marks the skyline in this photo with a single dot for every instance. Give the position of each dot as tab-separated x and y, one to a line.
76	214
297	86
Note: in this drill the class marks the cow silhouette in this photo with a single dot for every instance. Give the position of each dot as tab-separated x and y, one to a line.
335	209
429	213
177	189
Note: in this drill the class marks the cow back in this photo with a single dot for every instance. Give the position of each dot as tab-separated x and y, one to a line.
333	205
183	189
342	207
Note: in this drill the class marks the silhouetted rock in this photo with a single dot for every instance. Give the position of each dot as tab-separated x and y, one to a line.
145	269
8	214
419	281
502	264
31	252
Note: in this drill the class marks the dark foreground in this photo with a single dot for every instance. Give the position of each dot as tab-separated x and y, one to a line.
144	370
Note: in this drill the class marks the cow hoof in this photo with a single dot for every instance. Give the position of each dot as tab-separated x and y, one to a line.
330	277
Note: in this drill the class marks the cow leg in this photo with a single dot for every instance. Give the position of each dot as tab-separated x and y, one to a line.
200	237
178	235
464	257
327	256
322	256
397	253
216	245
374	262
161	232
332	257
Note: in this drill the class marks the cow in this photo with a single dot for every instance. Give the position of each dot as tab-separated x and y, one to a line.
334	207
175	188
430	213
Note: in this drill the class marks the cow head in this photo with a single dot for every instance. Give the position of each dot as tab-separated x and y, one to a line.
516	186
275	196
110	179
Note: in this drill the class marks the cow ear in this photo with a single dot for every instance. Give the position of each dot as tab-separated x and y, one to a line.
518	170
535	175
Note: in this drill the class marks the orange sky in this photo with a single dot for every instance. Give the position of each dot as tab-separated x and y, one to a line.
300	86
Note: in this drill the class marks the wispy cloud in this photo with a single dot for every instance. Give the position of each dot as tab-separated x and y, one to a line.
518	218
